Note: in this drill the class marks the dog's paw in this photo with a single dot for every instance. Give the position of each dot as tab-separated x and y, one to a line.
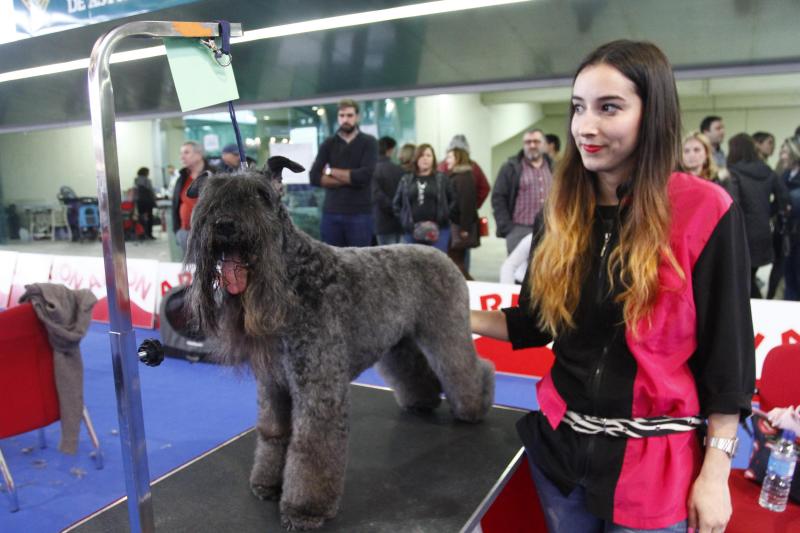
294	521
264	492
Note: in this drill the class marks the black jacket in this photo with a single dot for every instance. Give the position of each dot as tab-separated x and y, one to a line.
793	186
504	192
407	193
465	209
384	187
751	184
360	156
698	353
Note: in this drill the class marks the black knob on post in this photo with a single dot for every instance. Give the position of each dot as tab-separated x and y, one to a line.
151	352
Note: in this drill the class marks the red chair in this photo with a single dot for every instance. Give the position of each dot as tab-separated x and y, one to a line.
30	400
778	387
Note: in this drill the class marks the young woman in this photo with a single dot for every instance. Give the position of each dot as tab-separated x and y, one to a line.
640	277
696	158
424	200
465	212
765	144
406	157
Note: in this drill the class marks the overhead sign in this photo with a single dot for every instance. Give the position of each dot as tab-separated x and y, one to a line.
38	17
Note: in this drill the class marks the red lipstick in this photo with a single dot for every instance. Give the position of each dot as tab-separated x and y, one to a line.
592	148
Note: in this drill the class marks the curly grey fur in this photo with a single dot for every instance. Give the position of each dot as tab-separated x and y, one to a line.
311	319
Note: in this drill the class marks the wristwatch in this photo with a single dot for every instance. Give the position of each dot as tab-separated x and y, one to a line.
729	446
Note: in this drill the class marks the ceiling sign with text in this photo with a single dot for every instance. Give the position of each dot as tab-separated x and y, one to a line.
38	17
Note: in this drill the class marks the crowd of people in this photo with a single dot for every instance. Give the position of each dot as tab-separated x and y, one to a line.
418	198
379	193
769	198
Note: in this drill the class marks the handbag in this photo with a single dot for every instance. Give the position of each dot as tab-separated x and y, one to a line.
425	232
472	240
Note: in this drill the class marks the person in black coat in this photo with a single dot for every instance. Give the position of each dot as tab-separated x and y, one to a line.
145	198
760	195
384	187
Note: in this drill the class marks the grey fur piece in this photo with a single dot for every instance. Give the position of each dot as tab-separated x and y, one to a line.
312	318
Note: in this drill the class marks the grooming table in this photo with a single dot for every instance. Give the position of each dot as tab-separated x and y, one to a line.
405	472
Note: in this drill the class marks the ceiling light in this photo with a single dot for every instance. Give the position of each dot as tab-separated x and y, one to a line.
328	23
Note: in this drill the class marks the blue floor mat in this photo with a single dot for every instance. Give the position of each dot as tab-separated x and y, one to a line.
188	410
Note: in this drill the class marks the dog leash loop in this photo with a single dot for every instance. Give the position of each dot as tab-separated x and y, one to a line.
220	52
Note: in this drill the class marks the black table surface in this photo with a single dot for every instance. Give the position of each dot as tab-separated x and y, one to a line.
406	473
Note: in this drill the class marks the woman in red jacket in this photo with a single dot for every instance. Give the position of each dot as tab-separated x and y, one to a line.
640	278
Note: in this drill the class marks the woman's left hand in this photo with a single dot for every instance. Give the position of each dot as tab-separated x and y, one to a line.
709	503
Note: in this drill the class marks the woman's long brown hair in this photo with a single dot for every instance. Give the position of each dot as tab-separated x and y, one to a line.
562	259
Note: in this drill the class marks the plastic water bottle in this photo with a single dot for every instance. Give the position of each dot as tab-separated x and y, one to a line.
778	480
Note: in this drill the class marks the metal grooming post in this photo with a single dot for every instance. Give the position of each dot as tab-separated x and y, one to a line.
123	342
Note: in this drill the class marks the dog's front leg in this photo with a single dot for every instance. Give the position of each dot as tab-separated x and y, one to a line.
313	479
272	438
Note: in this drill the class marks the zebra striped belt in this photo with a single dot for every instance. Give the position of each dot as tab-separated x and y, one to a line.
630	427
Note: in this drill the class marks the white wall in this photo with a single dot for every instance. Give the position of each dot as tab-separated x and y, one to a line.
440	117
34	165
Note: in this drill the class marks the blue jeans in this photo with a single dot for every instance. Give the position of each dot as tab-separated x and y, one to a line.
389	238
339	229
441	244
568	514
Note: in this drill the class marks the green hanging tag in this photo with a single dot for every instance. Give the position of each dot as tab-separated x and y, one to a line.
199	80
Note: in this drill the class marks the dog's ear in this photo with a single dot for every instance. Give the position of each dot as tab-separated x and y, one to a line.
275	165
197	185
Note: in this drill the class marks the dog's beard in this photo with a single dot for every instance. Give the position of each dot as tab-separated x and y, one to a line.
232	273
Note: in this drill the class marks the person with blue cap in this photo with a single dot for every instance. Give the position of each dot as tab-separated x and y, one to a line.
231	159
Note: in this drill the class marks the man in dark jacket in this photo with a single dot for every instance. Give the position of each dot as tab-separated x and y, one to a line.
521	188
384	186
344	166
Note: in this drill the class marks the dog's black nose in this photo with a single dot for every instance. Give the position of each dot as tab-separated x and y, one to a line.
224	228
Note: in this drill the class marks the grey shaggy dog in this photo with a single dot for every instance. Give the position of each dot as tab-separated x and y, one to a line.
308	318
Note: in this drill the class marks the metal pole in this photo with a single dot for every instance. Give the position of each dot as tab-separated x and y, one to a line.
123	342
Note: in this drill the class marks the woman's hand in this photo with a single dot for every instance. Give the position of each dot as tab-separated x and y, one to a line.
710	504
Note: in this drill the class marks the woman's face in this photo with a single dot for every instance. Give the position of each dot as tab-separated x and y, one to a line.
425	162
694	156
450	160
783	156
766	147
605	121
